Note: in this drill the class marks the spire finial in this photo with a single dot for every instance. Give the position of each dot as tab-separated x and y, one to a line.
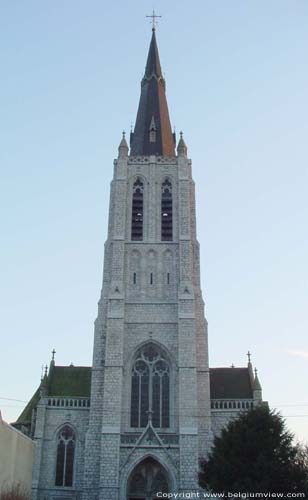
256	384
249	356
150	415
123	147
44	382
182	148
153	16
53	352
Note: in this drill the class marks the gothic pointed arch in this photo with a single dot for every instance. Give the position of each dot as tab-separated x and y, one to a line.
66	442
166	210
137	210
150	387
148	479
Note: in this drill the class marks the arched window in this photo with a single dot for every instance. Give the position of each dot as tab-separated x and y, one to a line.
150	398
137	211
65	457
152	130
166	211
147	480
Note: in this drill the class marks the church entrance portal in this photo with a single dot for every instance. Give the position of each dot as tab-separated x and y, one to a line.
146	480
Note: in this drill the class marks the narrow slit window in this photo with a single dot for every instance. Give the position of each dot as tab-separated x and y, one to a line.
137	211
168	278
166	211
134	278
151	278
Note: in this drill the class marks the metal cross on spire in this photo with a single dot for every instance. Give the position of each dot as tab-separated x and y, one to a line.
153	16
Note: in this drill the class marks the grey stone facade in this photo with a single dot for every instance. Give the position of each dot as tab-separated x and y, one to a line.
130	315
150	296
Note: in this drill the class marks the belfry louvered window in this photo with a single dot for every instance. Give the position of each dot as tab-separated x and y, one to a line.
166	211
137	211
65	457
150	397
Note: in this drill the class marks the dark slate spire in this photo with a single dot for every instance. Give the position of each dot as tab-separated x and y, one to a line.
153	62
152	134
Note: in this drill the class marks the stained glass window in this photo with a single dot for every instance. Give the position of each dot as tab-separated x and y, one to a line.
65	457
150	397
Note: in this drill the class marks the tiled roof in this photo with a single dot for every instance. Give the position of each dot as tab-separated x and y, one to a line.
230	383
26	414
70	381
62	381
75	381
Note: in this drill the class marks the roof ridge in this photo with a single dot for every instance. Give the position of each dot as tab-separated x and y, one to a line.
72	366
229	368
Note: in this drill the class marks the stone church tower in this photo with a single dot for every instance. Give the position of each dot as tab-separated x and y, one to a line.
138	421
150	396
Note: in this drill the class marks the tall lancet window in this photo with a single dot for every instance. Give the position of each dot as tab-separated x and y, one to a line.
166	211
65	457
137	211
150	398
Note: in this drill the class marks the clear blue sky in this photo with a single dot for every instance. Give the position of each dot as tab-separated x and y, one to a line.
237	83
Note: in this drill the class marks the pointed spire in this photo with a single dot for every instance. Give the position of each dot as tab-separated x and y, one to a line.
52	361
152	108
257	385
249	364
44	383
250	369
182	148
153	63
123	147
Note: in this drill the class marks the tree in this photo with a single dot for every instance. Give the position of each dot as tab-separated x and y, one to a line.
302	455
255	453
14	492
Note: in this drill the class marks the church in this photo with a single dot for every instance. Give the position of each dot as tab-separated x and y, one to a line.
135	424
